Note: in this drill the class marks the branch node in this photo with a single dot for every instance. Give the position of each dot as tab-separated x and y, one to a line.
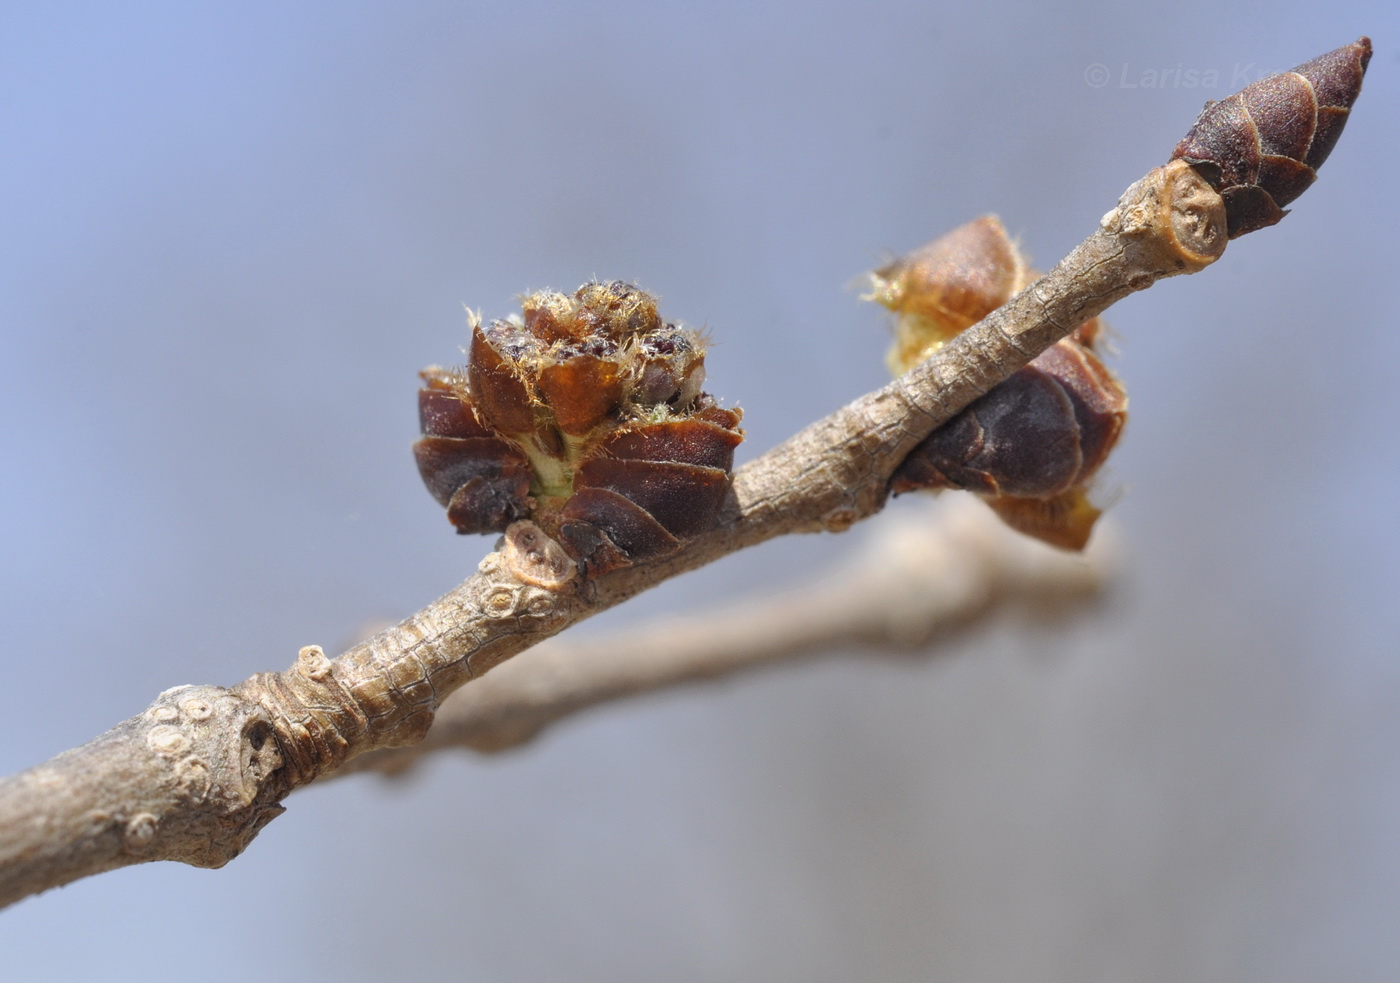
536	559
140	832
1174	212
313	663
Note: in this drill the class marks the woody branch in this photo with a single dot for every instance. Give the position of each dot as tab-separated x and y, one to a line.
201	771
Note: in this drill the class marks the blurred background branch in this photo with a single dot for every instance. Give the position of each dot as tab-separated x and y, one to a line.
926	576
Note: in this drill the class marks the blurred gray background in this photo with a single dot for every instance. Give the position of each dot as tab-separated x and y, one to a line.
233	234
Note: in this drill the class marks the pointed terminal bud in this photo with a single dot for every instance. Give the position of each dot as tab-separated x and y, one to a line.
1261	147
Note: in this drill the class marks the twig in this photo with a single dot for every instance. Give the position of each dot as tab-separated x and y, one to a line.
201	771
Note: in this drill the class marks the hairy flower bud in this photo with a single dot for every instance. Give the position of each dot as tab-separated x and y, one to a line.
1032	445
585	415
1261	147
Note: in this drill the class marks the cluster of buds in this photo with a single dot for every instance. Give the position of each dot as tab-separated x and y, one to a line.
586	416
1032	445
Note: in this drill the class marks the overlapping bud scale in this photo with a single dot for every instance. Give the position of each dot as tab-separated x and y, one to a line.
585	415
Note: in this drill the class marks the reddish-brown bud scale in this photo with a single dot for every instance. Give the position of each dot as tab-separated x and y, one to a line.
483	481
1032	445
1261	147
586	416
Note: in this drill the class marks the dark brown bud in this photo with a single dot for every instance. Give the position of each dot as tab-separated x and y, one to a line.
1261	147
650	486
1033	444
586	416
483	481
